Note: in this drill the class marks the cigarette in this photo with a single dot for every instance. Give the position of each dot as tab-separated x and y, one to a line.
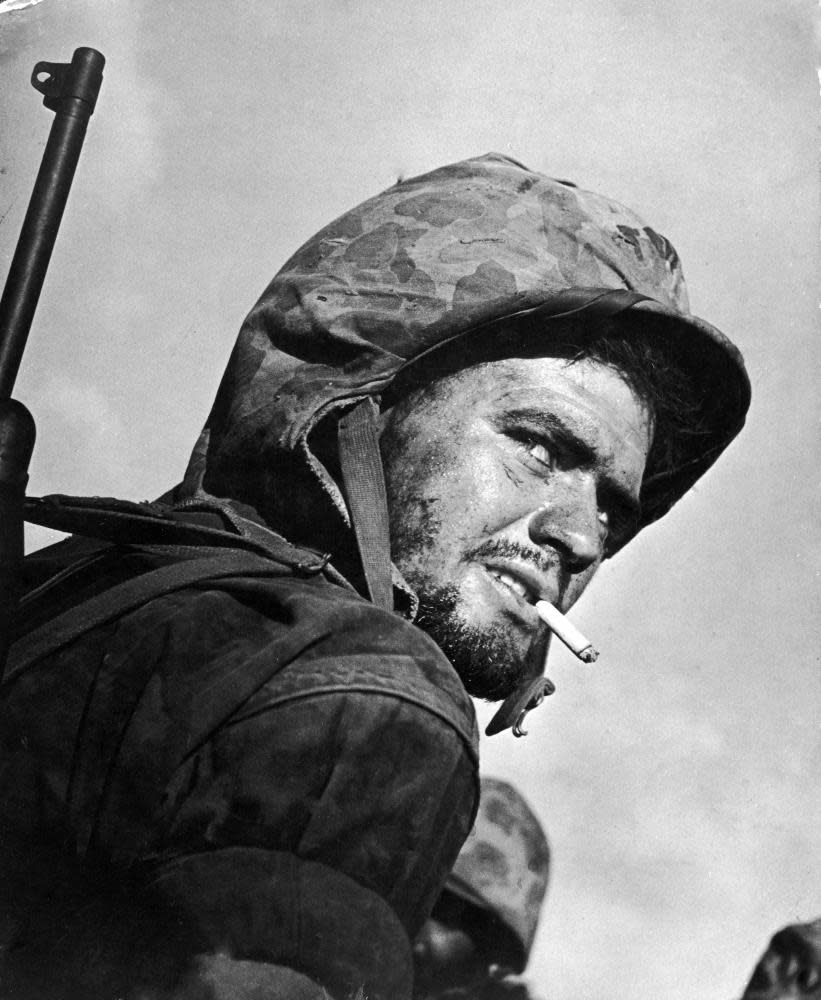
567	632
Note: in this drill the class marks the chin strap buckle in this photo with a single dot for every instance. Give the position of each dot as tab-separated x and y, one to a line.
515	707
545	688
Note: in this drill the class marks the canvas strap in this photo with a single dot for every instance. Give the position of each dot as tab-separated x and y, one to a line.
366	496
111	604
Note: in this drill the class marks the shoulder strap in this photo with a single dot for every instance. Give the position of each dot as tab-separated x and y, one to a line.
366	496
192	548
125	523
125	597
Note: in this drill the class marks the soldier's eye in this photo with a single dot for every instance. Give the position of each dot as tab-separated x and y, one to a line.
540	453
534	446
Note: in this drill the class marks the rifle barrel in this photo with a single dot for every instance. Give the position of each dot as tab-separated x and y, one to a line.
71	91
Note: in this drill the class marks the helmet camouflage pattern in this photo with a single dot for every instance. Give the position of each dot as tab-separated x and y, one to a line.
790	968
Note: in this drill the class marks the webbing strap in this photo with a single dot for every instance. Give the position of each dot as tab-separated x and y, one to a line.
126	523
125	597
367	499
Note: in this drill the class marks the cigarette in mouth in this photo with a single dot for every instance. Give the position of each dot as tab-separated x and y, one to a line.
567	632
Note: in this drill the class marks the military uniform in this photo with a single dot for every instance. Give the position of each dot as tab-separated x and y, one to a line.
230	748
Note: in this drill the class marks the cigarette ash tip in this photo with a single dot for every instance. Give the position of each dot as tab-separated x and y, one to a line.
567	632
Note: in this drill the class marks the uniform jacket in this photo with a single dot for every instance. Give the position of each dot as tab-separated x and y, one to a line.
261	765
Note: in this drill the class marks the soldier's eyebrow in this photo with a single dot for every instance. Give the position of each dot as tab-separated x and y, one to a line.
546	422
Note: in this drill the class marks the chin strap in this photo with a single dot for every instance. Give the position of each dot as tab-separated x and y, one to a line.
366	496
516	706
528	695
364	480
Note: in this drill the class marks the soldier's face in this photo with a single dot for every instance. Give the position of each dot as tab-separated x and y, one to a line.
507	483
445	957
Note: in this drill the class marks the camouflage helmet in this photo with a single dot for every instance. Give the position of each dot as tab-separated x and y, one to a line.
503	868
434	260
790	968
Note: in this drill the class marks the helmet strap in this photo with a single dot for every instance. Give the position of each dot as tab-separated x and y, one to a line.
529	694
366	496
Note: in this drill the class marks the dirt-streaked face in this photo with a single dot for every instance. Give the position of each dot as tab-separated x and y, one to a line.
507	483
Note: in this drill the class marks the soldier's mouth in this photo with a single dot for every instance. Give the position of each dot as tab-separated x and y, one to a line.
519	588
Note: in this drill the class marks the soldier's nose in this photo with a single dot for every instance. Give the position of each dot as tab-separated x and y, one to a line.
572	525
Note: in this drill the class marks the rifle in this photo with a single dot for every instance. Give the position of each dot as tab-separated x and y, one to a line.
70	90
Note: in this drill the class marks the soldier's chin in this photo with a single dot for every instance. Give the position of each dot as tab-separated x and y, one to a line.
487	658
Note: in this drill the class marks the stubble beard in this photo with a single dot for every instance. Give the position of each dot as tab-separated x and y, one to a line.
487	658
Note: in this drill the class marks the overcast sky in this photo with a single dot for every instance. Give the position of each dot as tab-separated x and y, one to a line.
677	779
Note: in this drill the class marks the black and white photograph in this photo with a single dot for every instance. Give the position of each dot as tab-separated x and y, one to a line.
409	520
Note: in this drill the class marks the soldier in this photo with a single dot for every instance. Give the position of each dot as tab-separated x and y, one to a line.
790	968
237	736
483	925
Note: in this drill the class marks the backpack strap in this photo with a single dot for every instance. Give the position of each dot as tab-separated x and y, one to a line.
194	523
187	541
202	564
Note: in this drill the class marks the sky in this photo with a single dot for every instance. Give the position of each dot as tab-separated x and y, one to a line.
676	778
